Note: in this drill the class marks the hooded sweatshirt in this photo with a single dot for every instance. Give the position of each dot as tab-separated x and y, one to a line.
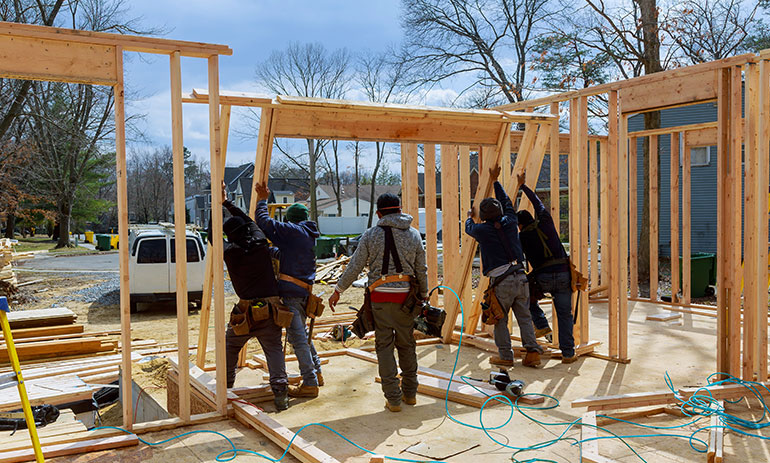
371	249
295	241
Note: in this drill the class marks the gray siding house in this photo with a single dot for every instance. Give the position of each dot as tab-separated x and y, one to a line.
703	179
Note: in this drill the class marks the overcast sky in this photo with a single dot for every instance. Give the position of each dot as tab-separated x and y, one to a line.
253	29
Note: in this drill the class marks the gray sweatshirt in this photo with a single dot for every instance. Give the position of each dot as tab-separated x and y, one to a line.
371	249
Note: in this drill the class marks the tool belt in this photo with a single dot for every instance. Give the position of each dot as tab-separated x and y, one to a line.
42	414
491	309
315	306
247	313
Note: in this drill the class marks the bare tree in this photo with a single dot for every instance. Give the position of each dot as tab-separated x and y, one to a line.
306	70
356	147
446	38
383	79
150	190
333	173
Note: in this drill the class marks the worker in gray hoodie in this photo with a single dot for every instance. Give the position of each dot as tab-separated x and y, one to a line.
390	248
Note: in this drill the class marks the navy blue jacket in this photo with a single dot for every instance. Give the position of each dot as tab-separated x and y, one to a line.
295	241
493	252
542	251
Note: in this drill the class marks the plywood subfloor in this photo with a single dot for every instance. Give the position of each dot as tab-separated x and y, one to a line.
351	402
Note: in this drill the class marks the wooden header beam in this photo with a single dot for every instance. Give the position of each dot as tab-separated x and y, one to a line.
128	42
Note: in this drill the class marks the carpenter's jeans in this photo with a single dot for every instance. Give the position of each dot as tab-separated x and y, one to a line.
513	292
395	328
538	316
269	336
309	363
558	284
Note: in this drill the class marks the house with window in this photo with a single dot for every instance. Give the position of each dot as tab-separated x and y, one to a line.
703	172
326	200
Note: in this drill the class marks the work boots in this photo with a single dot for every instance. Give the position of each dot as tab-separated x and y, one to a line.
409	400
392	407
281	401
543	332
572	359
532	359
501	362
303	390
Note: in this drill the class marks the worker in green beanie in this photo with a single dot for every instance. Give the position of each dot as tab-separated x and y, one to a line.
297	213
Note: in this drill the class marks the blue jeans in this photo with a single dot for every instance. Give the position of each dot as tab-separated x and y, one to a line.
513	294
558	285
309	363
538	316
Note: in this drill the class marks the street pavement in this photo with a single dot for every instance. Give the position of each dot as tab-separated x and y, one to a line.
106	262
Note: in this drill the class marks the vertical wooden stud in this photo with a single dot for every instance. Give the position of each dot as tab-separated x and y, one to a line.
763	208
686	221
675	218
623	240
216	247
593	204
750	242
611	258
180	237
735	197
654	213
604	211
465	205
583	218
208	276
125	295
723	225
431	230
555	179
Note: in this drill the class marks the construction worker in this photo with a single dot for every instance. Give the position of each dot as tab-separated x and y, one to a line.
550	269
250	267
391	250
503	262
295	240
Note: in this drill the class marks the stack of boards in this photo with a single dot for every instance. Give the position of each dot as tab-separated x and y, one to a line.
331	272
6	269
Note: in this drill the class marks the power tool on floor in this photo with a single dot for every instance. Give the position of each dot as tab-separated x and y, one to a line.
504	383
341	333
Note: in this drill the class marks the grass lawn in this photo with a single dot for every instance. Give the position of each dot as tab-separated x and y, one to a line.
43	243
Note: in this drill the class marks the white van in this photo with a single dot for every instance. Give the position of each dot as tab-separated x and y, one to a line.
152	264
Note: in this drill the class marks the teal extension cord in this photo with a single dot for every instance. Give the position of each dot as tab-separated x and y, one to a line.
700	405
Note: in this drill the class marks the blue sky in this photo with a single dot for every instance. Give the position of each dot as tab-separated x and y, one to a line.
253	29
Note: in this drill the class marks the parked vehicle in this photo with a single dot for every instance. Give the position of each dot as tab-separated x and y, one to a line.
152	264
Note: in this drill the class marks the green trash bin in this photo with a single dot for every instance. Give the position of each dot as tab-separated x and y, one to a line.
103	242
703	273
324	247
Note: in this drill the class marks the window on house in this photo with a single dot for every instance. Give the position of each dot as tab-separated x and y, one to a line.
285	200
700	156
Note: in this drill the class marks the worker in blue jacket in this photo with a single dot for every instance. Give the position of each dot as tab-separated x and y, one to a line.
295	239
502	260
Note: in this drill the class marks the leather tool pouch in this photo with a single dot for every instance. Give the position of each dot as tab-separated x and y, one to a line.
239	322
412	305
314	307
491	310
282	316
260	311
535	290
364	321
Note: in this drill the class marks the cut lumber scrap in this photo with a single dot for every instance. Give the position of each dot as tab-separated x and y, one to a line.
262	361
301	449
73	432
48	349
605	420
590	449
55	337
637	399
73	448
55	391
41	317
23	333
664	317
175	422
716	439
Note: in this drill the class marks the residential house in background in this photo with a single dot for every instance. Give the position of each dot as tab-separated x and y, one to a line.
326	200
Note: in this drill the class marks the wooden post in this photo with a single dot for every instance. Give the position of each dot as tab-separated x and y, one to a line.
216	230
686	220
450	219
751	303
205	312
125	295
583	239
723	226
674	218
574	202
736	195
465	205
180	237
264	154
623	240
654	213
431	238
613	205
633	220
763	179
555	180
593	204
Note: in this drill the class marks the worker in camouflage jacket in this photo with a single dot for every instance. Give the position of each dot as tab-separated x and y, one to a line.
394	321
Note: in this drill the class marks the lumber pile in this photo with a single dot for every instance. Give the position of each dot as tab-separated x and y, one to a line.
8	280
331	272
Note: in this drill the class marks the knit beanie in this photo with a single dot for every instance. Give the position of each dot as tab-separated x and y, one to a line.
297	213
490	209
